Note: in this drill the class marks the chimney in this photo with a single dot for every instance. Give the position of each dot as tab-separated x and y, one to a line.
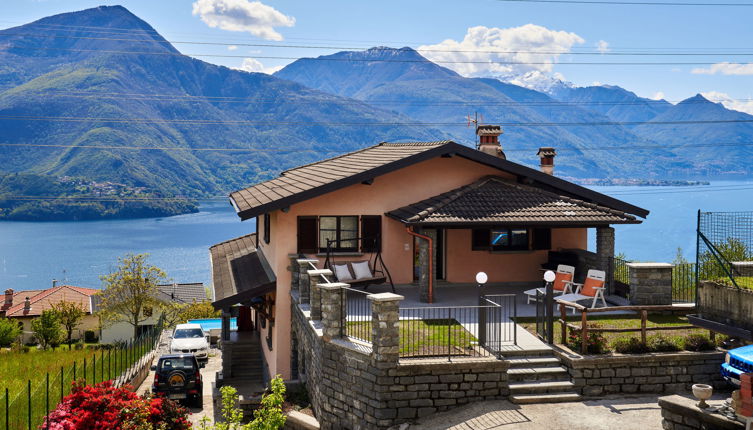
8	299
547	155
54	283
27	305
488	136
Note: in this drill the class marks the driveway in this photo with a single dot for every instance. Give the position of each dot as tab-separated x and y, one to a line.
208	375
637	413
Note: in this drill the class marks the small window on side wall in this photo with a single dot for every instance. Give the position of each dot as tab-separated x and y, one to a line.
371	233
267	228
307	235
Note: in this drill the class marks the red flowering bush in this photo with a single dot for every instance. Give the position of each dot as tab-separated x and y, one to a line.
104	407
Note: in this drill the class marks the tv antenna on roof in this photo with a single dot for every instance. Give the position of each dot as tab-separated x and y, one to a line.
476	121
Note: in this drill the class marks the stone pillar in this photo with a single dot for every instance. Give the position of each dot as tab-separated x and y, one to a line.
605	255
303	279
332	312
650	283
315	293
385	329
423	269
294	271
225	325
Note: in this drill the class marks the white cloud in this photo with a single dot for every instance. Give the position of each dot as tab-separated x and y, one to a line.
232	48
483	48
726	69
602	47
254	65
658	96
730	103
243	15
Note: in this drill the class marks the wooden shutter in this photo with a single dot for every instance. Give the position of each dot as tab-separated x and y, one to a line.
371	232
307	235
542	238
480	239
267	229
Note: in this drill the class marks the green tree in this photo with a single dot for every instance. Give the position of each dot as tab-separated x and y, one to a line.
70	315
732	249
199	310
269	416
131	292
9	331
47	329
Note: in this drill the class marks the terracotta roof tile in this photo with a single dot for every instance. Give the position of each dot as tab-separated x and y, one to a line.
44	300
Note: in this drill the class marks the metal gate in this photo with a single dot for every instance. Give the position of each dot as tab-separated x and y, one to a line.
497	328
545	313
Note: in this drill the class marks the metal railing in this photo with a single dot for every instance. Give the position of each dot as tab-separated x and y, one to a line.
356	314
458	331
26	408
621	278
683	283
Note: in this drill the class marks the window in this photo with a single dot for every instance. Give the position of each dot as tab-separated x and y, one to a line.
338	229
371	232
500	239
308	242
266	228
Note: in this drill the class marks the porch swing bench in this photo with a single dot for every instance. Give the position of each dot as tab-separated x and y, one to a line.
359	273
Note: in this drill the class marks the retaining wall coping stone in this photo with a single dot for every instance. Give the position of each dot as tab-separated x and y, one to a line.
651	265
680	407
319	272
332	286
306	260
384	297
591	361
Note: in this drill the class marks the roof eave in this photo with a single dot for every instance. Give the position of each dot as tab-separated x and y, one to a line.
552	224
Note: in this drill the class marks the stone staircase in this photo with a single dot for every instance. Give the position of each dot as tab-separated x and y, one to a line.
247	361
537	376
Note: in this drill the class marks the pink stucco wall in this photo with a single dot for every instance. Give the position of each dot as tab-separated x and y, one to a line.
389	192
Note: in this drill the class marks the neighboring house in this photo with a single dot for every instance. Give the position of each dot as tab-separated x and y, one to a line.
24	306
178	293
476	210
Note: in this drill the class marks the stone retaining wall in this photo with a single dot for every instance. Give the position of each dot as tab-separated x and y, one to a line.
643	373
726	304
681	413
354	386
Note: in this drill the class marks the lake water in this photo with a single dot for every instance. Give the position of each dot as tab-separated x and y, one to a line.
32	254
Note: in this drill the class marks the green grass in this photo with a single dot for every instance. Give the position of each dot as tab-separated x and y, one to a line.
621	321
425	338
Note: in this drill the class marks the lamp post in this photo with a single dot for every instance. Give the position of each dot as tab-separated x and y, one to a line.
481	279
549	277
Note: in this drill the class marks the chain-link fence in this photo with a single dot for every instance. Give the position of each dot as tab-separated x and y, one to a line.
725	248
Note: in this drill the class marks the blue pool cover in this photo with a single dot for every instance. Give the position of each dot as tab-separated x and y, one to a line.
214	323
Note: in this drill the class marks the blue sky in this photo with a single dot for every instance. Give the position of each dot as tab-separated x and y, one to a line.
443	25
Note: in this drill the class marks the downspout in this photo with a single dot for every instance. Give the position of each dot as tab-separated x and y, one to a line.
431	260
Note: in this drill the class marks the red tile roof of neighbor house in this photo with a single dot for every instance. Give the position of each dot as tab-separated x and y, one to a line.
497	201
45	299
315	179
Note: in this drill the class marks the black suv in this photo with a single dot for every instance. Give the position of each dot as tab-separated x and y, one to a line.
178	377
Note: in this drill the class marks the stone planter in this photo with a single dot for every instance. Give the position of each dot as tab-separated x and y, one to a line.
725	304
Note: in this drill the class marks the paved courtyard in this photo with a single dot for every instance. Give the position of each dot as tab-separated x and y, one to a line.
637	413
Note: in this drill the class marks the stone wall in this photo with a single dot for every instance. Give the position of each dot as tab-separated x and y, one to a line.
681	413
650	283
725	304
643	373
357	386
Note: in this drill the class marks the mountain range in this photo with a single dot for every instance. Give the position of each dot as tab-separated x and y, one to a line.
181	126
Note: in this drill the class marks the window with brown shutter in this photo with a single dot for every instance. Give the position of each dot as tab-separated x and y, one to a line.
371	232
542	238
267	228
480	239
307	235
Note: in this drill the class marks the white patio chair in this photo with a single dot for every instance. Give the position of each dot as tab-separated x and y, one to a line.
562	283
592	288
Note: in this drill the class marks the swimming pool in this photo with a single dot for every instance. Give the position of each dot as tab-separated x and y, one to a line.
214	323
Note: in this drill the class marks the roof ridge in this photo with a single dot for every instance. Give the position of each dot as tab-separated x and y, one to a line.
228	241
33	299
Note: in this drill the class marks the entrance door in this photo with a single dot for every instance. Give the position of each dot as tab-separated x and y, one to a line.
438	238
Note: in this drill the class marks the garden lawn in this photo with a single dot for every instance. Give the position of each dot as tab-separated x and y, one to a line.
424	337
621	321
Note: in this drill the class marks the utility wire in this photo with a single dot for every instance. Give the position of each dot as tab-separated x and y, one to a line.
630	3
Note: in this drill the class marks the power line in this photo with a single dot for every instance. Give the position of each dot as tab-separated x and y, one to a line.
362	49
629	3
357	123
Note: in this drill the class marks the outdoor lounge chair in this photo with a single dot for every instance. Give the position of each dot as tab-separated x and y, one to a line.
561	285
592	288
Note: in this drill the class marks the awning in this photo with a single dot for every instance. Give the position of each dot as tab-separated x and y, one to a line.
239	272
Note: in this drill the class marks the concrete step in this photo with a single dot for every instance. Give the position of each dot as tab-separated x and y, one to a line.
540	361
538	374
543	352
540	387
545	398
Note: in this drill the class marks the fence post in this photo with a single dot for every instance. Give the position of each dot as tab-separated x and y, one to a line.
563	323
549	313
94	368
644	316
47	400
482	309
315	294
62	381
7	409
385	329
28	397
583	331
85	370
332	312
449	337
303	278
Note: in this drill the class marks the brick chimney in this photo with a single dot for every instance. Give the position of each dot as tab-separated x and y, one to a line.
488	136
8	299
547	155
27	305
